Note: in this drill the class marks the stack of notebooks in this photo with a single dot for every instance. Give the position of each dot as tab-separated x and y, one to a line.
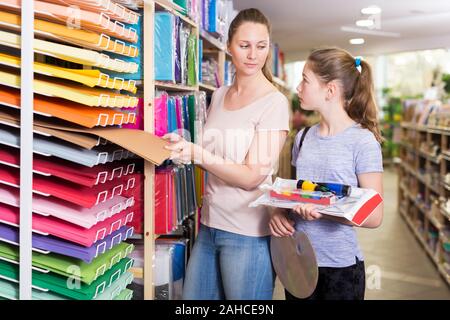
175	197
176	50
170	260
86	188
216	16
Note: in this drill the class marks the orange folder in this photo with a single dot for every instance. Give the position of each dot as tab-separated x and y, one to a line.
66	110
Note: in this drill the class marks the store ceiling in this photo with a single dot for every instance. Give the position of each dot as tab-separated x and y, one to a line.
407	25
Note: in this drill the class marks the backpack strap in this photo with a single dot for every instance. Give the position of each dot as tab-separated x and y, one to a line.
305	131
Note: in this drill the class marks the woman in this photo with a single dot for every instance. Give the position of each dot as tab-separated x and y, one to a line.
246	128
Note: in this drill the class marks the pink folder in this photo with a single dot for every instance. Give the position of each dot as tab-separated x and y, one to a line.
161	115
68	170
59	228
49	206
83	196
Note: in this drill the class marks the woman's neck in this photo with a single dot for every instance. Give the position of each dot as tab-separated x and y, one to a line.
334	120
244	83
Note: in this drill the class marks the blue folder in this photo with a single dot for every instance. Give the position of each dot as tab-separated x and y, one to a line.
164	46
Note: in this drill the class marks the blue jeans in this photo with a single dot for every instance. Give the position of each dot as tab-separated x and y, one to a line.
225	265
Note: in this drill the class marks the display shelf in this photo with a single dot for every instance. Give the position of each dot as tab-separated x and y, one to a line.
207	87
171	7
174	87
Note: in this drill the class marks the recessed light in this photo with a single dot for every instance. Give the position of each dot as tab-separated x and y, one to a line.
357	41
365	23
371	10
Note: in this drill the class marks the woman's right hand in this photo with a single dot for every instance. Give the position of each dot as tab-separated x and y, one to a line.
280	225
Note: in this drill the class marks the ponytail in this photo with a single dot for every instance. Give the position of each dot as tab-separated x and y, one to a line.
362	107
356	78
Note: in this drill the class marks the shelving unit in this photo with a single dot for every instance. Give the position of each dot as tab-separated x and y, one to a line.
148	87
423	190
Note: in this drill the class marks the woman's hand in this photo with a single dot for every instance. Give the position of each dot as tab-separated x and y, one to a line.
182	150
308	211
280	225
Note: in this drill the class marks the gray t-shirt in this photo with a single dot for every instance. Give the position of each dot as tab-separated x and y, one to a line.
340	159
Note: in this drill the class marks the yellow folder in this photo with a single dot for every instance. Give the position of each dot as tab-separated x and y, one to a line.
90	78
81	94
72	54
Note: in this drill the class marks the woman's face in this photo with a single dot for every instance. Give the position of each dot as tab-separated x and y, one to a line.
249	48
311	91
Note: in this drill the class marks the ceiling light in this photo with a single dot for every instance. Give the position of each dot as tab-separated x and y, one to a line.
371	10
365	23
357	41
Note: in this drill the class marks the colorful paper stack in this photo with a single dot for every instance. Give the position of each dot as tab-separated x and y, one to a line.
86	191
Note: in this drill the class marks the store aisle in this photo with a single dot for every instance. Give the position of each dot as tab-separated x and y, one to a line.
393	252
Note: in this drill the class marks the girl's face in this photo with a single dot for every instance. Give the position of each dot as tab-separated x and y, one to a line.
311	91
249	48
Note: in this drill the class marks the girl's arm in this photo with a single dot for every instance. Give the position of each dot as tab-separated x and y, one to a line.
263	154
366	180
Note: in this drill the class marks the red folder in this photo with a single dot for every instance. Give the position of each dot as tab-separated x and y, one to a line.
165	216
68	170
83	196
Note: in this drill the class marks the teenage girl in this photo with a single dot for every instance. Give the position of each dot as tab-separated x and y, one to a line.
343	148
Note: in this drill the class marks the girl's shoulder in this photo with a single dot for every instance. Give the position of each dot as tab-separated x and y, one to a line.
362	135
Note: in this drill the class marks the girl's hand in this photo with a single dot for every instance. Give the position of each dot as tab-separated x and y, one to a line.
182	150
280	225
308	211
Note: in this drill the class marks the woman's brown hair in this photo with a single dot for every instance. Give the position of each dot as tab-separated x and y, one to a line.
358	90
255	16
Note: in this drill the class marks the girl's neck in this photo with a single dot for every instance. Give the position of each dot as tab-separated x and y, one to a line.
334	121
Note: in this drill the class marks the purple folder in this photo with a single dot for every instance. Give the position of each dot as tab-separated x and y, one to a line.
52	244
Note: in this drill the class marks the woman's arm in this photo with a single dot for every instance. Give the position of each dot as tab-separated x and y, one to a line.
262	156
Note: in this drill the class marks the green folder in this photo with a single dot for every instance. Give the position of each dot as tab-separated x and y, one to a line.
126	294
117	287
10	290
66	286
71	267
182	4
192	60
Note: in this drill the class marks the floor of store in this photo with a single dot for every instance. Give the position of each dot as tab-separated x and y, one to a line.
393	252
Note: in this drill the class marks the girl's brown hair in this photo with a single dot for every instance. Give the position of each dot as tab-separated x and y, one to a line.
358	90
255	16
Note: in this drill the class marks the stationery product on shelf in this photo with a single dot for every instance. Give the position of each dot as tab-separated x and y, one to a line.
86	197
112	8
76	214
47	244
170	261
107	287
47	225
85	19
63	89
63	33
90	78
70	267
85	176
53	147
66	110
70	53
